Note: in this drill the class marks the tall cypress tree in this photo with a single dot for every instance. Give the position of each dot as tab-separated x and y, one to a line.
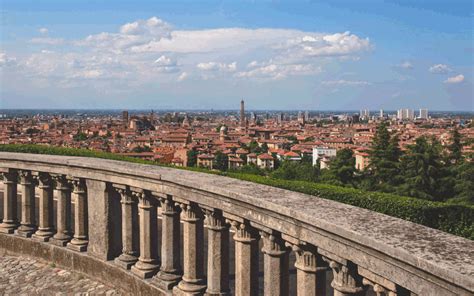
422	169
384	170
455	148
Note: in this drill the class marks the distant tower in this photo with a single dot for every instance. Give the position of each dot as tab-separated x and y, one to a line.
186	121
125	117
223	133
242	113
381	113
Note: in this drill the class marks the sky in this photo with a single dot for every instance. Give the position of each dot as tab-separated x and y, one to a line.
294	55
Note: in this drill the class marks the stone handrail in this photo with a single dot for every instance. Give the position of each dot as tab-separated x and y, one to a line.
116	202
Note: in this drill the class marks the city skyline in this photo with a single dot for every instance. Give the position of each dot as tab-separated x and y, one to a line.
277	56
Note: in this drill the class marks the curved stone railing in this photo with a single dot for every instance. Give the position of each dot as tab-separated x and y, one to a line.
114	235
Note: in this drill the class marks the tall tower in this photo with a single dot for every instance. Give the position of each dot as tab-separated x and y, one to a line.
242	113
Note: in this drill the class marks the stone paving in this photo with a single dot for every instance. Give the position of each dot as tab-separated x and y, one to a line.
26	276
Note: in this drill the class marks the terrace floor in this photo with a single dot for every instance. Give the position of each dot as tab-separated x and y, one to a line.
26	276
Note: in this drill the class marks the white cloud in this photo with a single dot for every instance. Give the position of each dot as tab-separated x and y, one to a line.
343	82
440	69
213	66
183	76
455	79
131	29
406	65
278	71
43	31
339	44
166	64
47	41
5	60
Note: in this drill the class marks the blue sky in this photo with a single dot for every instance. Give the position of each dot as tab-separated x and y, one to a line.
209	54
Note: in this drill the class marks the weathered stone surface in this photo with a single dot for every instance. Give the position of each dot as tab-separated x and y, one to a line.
27	276
118	278
423	260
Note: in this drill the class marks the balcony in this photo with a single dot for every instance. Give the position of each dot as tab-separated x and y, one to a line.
160	231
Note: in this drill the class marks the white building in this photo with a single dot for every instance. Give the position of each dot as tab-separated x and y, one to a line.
405	114
423	114
319	152
364	114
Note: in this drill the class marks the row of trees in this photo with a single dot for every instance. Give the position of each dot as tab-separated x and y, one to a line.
425	170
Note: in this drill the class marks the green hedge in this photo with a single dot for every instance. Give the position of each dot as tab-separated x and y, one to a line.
454	219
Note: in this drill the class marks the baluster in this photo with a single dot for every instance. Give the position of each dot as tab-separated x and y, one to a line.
346	281
246	259
276	265
28	224
170	271
147	264
311	271
130	236
79	195
380	285
63	217
218	254
193	251
10	196
45	229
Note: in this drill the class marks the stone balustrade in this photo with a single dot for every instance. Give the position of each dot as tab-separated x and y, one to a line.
155	230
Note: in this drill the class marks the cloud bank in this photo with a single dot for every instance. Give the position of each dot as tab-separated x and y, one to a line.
151	50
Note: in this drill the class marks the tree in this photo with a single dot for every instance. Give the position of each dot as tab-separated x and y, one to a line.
80	136
455	148
342	168
192	158
251	169
291	170
464	182
264	148
221	161
307	159
140	149
422	169
385	153
253	147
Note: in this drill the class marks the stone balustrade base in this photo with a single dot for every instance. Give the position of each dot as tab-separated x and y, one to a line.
77	248
166	281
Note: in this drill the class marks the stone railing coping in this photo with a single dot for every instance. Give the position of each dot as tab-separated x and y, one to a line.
439	253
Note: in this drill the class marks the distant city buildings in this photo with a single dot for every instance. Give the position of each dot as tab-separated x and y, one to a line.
197	137
423	114
405	114
364	114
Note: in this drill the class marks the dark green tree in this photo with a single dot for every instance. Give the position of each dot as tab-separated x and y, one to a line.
464	182
251	169
341	168
264	148
140	149
292	170
221	161
192	158
253	147
422	169
455	149
384	168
